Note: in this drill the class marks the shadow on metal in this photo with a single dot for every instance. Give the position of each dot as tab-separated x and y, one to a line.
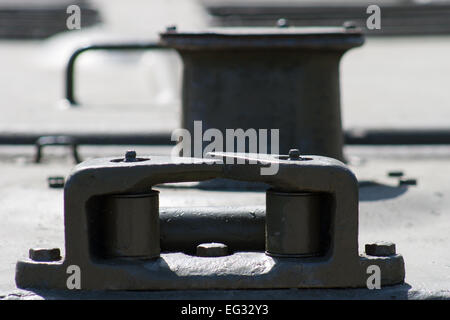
398	292
374	191
426	136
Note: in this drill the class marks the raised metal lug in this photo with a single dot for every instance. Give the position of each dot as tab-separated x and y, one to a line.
333	260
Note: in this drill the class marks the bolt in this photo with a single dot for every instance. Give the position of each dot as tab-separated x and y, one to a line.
56	182
294	154
395	173
282	23
130	156
171	28
409	182
380	249
212	249
44	255
349	25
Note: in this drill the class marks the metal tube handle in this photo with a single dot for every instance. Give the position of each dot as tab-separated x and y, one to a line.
70	96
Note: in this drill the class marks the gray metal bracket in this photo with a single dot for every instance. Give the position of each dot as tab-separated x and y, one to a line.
340	266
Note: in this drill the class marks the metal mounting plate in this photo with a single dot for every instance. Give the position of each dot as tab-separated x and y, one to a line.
340	266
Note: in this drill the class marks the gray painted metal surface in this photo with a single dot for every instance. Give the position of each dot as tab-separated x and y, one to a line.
387	76
414	217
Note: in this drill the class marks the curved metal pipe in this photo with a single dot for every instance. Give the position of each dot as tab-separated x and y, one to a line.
71	63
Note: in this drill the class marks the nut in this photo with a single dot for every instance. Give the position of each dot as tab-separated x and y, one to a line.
212	249
380	249
44	255
398	173
130	156
56	182
408	182
294	154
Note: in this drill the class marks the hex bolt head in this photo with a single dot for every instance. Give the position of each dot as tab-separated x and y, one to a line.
294	154
212	249
44	255
56	182
130	156
380	249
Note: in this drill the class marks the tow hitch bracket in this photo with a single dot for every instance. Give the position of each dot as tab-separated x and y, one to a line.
112	229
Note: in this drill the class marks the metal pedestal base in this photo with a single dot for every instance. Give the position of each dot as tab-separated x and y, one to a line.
241	270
